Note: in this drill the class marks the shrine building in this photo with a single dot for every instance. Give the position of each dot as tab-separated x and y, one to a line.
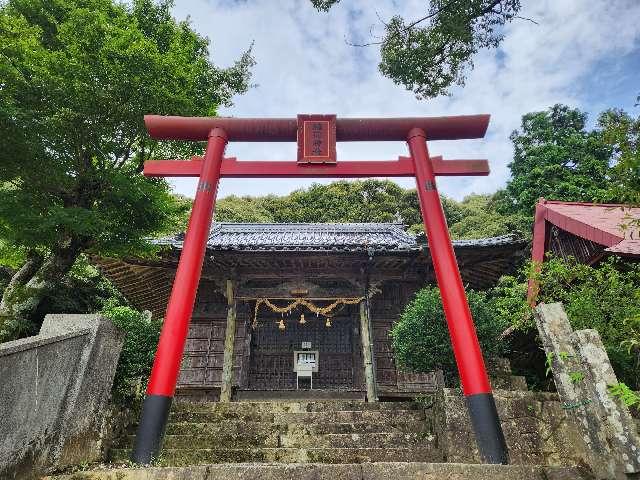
370	269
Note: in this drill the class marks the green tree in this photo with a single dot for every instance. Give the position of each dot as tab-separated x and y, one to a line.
556	157
368	201
342	201
479	218
76	78
429	54
421	341
622	132
242	209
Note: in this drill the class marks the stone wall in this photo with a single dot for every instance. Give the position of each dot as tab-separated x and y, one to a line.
54	388
535	425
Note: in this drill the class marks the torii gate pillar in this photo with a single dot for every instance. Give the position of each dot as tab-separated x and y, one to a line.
466	349
166	365
318	160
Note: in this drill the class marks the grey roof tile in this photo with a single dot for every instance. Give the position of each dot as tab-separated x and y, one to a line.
316	237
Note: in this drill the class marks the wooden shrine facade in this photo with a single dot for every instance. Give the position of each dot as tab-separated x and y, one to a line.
380	263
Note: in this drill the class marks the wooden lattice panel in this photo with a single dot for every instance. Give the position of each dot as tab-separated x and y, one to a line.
271	357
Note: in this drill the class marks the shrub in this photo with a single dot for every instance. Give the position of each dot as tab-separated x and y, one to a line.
136	358
605	297
421	340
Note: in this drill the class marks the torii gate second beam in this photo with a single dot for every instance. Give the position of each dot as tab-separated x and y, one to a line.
318	160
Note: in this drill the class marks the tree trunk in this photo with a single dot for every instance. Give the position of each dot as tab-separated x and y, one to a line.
29	286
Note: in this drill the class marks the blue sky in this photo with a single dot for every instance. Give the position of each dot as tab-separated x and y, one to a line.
585	53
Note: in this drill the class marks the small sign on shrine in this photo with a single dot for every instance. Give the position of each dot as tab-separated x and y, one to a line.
316	139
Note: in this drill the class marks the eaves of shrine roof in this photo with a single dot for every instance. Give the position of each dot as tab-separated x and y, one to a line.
321	237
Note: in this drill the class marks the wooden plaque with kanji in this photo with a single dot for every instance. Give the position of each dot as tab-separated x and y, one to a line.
316	139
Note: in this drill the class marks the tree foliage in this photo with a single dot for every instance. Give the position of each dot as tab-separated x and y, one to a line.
622	132
556	157
367	201
429	54
82	290
421	341
604	297
479	218
76	78
136	358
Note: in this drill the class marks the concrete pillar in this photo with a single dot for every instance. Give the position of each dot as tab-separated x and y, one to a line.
367	352
229	340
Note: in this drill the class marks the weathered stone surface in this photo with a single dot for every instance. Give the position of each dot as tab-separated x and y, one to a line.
535	426
56	386
355	440
372	471
582	372
291	406
290	432
184	457
226	472
499	370
621	429
328	416
227	429
444	471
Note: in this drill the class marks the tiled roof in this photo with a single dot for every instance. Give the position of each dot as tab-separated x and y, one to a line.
314	237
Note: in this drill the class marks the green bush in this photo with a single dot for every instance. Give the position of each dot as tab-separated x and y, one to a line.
139	348
605	297
421	340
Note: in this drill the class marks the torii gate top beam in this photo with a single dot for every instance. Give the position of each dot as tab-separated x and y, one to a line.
286	129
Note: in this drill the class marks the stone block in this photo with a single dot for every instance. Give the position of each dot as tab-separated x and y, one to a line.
609	441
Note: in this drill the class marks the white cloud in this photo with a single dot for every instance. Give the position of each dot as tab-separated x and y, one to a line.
305	66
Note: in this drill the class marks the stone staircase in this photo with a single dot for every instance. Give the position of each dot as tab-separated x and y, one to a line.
294	432
305	440
346	471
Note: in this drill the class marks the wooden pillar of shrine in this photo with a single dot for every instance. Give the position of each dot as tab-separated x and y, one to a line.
229	340
367	351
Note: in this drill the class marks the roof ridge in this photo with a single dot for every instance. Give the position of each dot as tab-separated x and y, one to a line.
309	223
588	204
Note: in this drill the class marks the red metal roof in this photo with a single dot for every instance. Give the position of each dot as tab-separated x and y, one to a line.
598	222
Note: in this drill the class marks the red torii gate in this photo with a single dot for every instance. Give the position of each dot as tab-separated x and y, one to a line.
316	136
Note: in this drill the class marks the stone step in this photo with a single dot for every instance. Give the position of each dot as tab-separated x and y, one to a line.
268	436
330	416
294	440
228	428
298	395
292	406
389	426
185	457
311	471
357	440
